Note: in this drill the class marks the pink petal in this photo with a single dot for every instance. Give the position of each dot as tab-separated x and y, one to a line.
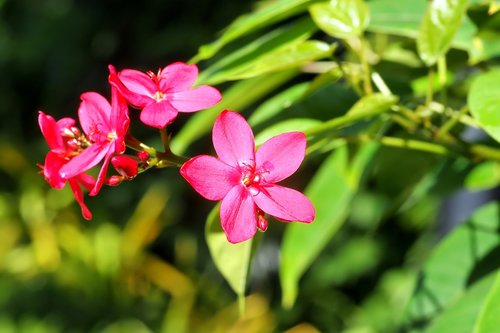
94	113
50	130
285	203
102	173
86	181
195	99
134	98
238	215
54	163
138	82
178	77
210	177
281	156
233	139
77	192
66	122
119	119
85	161
158	114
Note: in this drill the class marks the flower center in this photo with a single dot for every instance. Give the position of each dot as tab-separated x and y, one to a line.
252	178
158	96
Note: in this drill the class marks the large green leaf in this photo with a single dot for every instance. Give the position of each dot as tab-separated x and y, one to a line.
331	190
237	61
235	98
488	319
274	105
232	260
292	56
484	102
440	24
458	262
341	18
265	15
462	316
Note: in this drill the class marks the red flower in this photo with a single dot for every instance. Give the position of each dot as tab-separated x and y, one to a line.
65	142
244	179
106	126
161	96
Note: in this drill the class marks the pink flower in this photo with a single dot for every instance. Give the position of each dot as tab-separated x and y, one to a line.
65	141
161	96
106	126
245	179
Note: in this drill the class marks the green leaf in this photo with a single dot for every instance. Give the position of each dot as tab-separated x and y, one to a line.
331	190
457	263
246	56
484	102
235	98
484	176
232	260
293	56
376	103
461	316
265	15
400	18
274	105
289	125
440	24
488	319
341	18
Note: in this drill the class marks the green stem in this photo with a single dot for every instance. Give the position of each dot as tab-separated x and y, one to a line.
133	143
455	119
367	83
441	67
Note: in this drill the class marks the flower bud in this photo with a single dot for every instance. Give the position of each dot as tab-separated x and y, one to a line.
143	156
261	222
114	180
125	166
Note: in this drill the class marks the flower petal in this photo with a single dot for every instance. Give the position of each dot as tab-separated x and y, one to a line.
238	215
136	99
53	163
281	156
85	161
94	113
77	192
285	203
158	114
195	99
102	172
178	77
50	130
233	139
209	176
138	82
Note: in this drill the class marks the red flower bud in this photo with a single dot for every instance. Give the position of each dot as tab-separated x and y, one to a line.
114	180
143	156
126	166
262	222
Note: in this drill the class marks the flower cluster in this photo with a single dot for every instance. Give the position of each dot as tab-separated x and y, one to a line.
243	178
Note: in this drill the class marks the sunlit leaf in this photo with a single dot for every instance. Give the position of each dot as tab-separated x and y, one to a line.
484	102
274	105
488	319
441	21
461	317
331	190
484	176
373	103
289	57
232	260
249	55
264	16
289	125
341	18
458	262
